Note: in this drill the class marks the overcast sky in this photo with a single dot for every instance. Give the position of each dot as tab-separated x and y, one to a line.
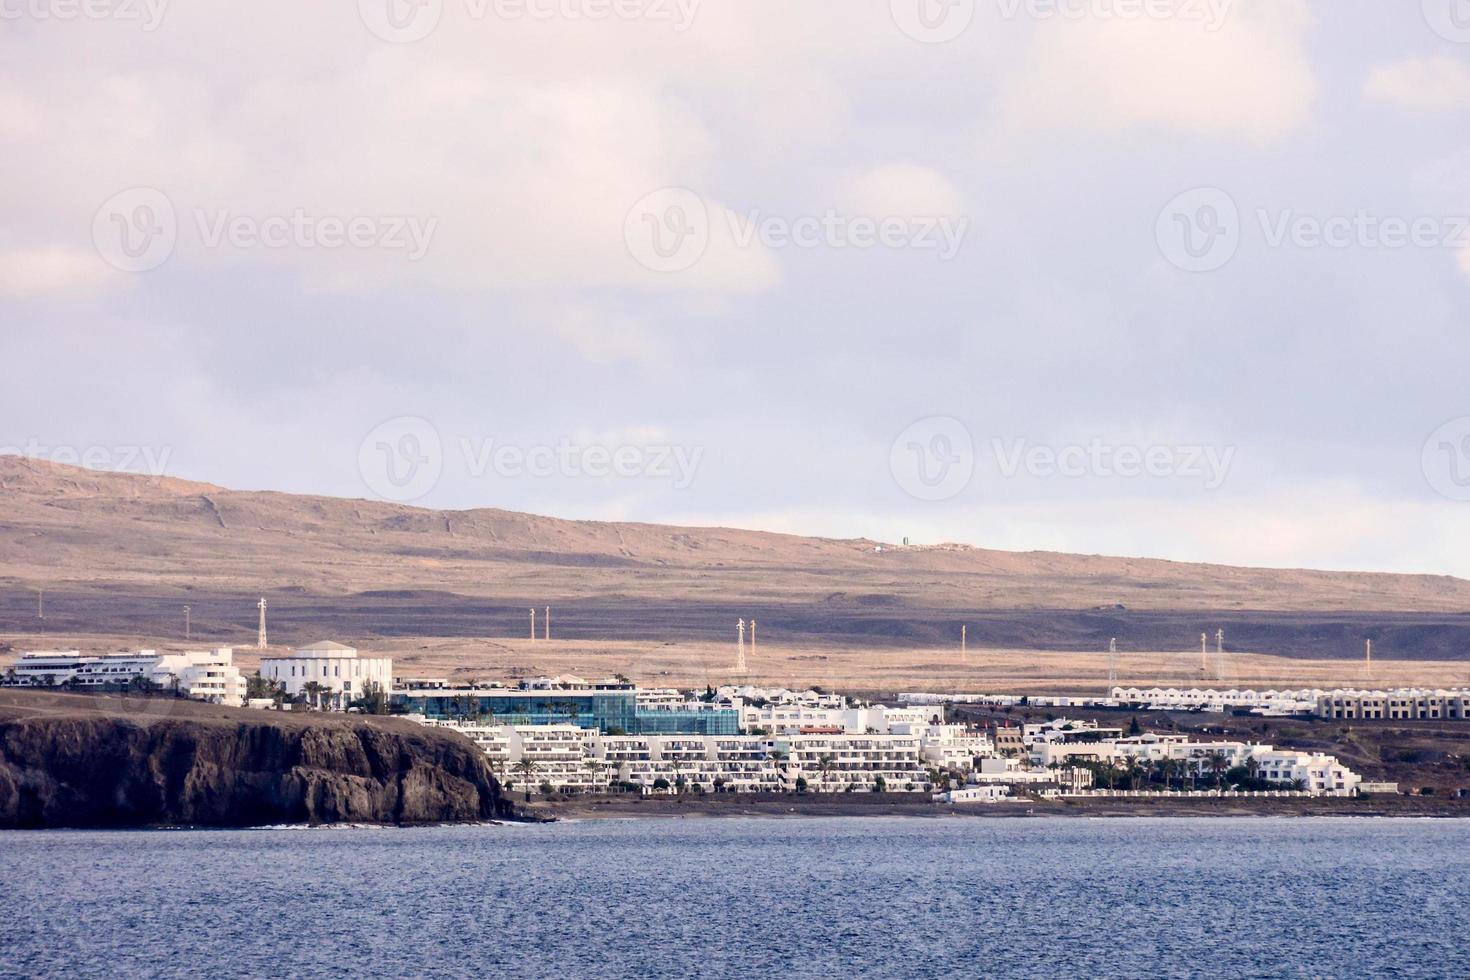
1187	280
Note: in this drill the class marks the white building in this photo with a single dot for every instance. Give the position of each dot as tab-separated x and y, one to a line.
747	693
788	718
576	759
835	761
204	675
1265	702
1396	704
983	793
949	746
341	675
47	668
209	675
1319	774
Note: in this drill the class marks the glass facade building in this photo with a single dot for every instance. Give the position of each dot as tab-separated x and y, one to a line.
604	710
607	711
668	721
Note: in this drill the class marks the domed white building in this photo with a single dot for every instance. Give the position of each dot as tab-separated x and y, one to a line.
341	673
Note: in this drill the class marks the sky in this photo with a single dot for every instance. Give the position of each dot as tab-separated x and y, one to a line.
1176	278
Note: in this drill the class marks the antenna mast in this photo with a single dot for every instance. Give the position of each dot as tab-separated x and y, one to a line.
260	643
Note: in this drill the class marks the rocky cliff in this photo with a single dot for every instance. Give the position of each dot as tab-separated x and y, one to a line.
163	763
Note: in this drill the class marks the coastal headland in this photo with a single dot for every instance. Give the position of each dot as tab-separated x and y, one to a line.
78	760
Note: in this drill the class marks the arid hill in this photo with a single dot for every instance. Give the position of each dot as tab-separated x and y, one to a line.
118	554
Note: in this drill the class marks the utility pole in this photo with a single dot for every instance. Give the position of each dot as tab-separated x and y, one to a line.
260	643
1368	657
964	630
40	603
740	648
186	624
752	637
533	624
1204	652
546	624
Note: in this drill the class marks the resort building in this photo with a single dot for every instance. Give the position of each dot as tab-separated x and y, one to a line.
576	759
612	711
329	675
750	694
207	675
956	747
1312	772
1265	702
204	675
840	761
1396	704
1403	704
50	668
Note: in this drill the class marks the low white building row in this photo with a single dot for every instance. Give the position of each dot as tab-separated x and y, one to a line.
208	675
1269	702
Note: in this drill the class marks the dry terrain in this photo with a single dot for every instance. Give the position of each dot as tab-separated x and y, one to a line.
118	556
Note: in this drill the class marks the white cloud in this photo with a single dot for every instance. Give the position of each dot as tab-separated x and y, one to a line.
1437	84
900	189
32	272
1250	78
1321	525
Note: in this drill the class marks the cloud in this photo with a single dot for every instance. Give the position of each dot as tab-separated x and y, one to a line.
30	272
900	189
1436	84
1248	79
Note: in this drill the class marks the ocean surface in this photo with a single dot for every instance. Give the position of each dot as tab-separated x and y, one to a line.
854	897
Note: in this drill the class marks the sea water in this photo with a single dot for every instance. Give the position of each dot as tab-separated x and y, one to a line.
737	897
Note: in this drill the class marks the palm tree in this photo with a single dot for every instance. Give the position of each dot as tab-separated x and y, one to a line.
596	766
527	768
824	766
1218	763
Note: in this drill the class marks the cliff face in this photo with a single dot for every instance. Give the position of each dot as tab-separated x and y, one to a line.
101	771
